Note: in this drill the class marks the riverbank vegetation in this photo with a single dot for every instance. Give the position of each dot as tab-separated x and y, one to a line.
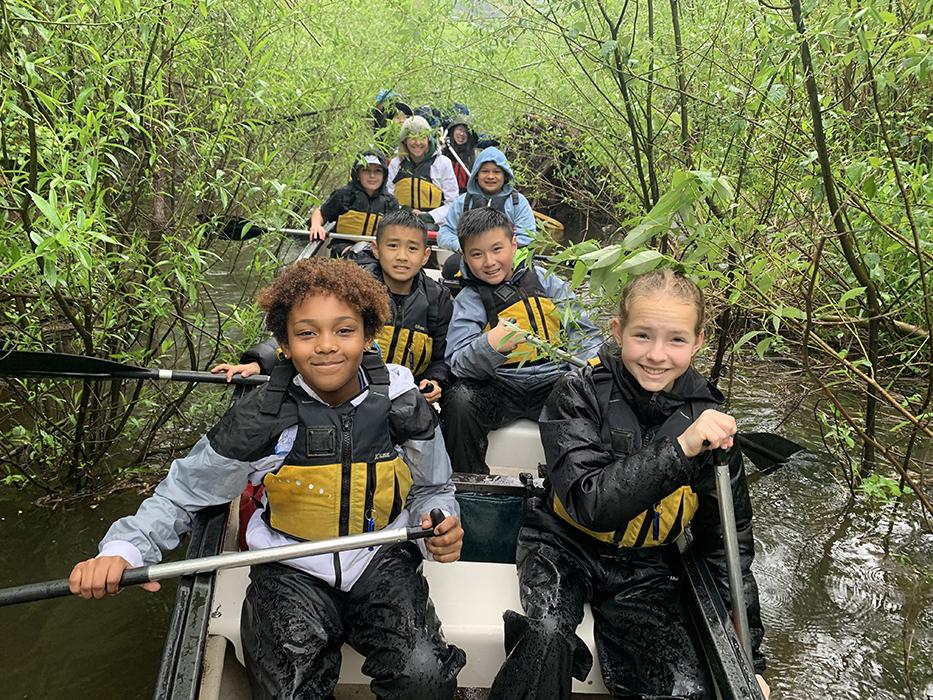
779	152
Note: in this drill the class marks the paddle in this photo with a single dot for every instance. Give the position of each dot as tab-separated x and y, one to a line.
23	363
229	560
730	539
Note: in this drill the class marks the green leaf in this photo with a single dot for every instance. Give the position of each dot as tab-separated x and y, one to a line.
640	262
606	257
46	207
851	294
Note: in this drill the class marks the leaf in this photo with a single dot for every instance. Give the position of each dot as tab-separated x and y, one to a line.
606	257
745	338
851	294
47	208
640	262
762	347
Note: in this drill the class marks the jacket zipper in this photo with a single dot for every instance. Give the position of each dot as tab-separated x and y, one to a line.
346	424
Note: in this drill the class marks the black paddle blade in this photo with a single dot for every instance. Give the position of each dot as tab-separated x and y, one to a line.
241	230
22	363
767	450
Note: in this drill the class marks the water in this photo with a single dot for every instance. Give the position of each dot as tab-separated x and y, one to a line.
845	587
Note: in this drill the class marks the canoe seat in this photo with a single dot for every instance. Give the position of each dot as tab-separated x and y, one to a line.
514	448
469	597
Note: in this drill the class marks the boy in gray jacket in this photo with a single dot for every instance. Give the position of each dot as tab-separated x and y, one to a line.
503	378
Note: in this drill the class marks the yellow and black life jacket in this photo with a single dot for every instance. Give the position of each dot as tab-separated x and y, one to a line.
407	339
622	434
343	475
522	298
413	185
363	213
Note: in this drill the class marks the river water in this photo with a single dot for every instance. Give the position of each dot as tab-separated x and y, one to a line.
846	587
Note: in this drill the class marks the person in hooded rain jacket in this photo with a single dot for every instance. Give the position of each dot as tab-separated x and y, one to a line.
490	185
460	147
629	441
356	207
420	177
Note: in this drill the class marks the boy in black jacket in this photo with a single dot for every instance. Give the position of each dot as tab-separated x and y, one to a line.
416	334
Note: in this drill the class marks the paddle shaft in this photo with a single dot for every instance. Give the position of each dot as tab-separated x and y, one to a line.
21	363
230	560
731	543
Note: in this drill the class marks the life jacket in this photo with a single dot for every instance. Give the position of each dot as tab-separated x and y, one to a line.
413	185
533	310
363	213
343	475
497	202
622	434
408	338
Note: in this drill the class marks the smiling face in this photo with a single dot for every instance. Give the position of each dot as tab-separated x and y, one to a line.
401	253
417	147
371	178
326	343
490	178
658	340
490	255
460	135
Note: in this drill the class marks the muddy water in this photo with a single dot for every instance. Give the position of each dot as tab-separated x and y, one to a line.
846	588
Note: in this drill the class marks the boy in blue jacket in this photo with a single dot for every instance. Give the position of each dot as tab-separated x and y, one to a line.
502	377
490	185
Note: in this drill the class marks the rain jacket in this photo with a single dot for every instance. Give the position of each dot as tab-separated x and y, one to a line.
426	310
353	210
603	490
470	355
441	173
246	445
461	156
508	200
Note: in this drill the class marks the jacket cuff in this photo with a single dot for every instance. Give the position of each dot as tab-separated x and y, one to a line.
122	548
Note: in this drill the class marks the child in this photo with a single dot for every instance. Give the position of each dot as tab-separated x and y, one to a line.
416	334
357	206
419	176
335	414
629	451
460	147
490	185
502	378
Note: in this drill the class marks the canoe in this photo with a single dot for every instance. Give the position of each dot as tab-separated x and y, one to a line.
202	657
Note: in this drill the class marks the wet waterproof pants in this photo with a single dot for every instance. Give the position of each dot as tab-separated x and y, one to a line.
471	409
293	626
643	641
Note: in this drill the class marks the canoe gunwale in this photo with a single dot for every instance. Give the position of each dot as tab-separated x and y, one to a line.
183	654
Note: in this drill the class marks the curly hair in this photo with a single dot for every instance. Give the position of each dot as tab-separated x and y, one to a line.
339	278
668	281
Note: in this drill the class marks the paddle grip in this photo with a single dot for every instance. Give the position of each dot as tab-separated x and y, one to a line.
416	533
427	388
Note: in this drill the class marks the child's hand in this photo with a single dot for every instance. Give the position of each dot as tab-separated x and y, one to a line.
433	394
317	232
448	540
497	337
713	430
247	370
95	578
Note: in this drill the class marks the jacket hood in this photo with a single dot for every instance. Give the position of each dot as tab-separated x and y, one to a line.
369	158
490	155
652	407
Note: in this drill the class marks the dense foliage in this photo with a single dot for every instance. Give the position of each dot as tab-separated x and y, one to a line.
781	154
